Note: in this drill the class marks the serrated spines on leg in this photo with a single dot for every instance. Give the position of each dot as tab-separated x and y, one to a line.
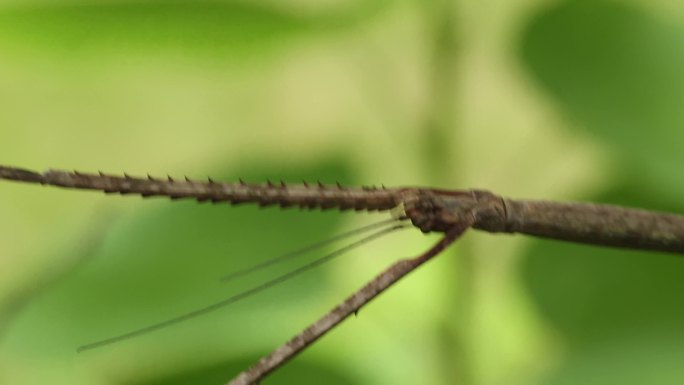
305	196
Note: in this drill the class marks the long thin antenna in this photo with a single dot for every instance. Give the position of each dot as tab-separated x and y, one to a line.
297	253
242	295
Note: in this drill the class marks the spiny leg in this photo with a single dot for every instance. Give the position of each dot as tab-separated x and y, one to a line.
351	305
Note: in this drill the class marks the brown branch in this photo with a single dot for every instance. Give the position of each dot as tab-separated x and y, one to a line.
351	305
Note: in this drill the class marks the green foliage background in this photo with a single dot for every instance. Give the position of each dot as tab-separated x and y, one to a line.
538	99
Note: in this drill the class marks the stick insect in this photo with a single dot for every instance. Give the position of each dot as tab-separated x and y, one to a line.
450	212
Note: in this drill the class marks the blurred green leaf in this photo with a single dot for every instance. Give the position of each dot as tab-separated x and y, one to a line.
643	359
618	71
295	372
236	29
607	303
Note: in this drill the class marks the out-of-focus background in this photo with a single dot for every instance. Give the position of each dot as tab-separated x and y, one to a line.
559	100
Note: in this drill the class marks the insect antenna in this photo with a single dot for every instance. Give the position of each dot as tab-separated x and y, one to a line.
245	294
299	252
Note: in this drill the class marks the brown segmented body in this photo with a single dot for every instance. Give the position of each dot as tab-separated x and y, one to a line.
429	209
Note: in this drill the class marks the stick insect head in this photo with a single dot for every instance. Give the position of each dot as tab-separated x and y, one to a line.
435	210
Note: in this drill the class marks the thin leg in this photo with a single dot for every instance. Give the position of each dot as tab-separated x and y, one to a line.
351	305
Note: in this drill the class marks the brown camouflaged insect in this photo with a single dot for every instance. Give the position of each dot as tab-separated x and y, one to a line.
450	212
